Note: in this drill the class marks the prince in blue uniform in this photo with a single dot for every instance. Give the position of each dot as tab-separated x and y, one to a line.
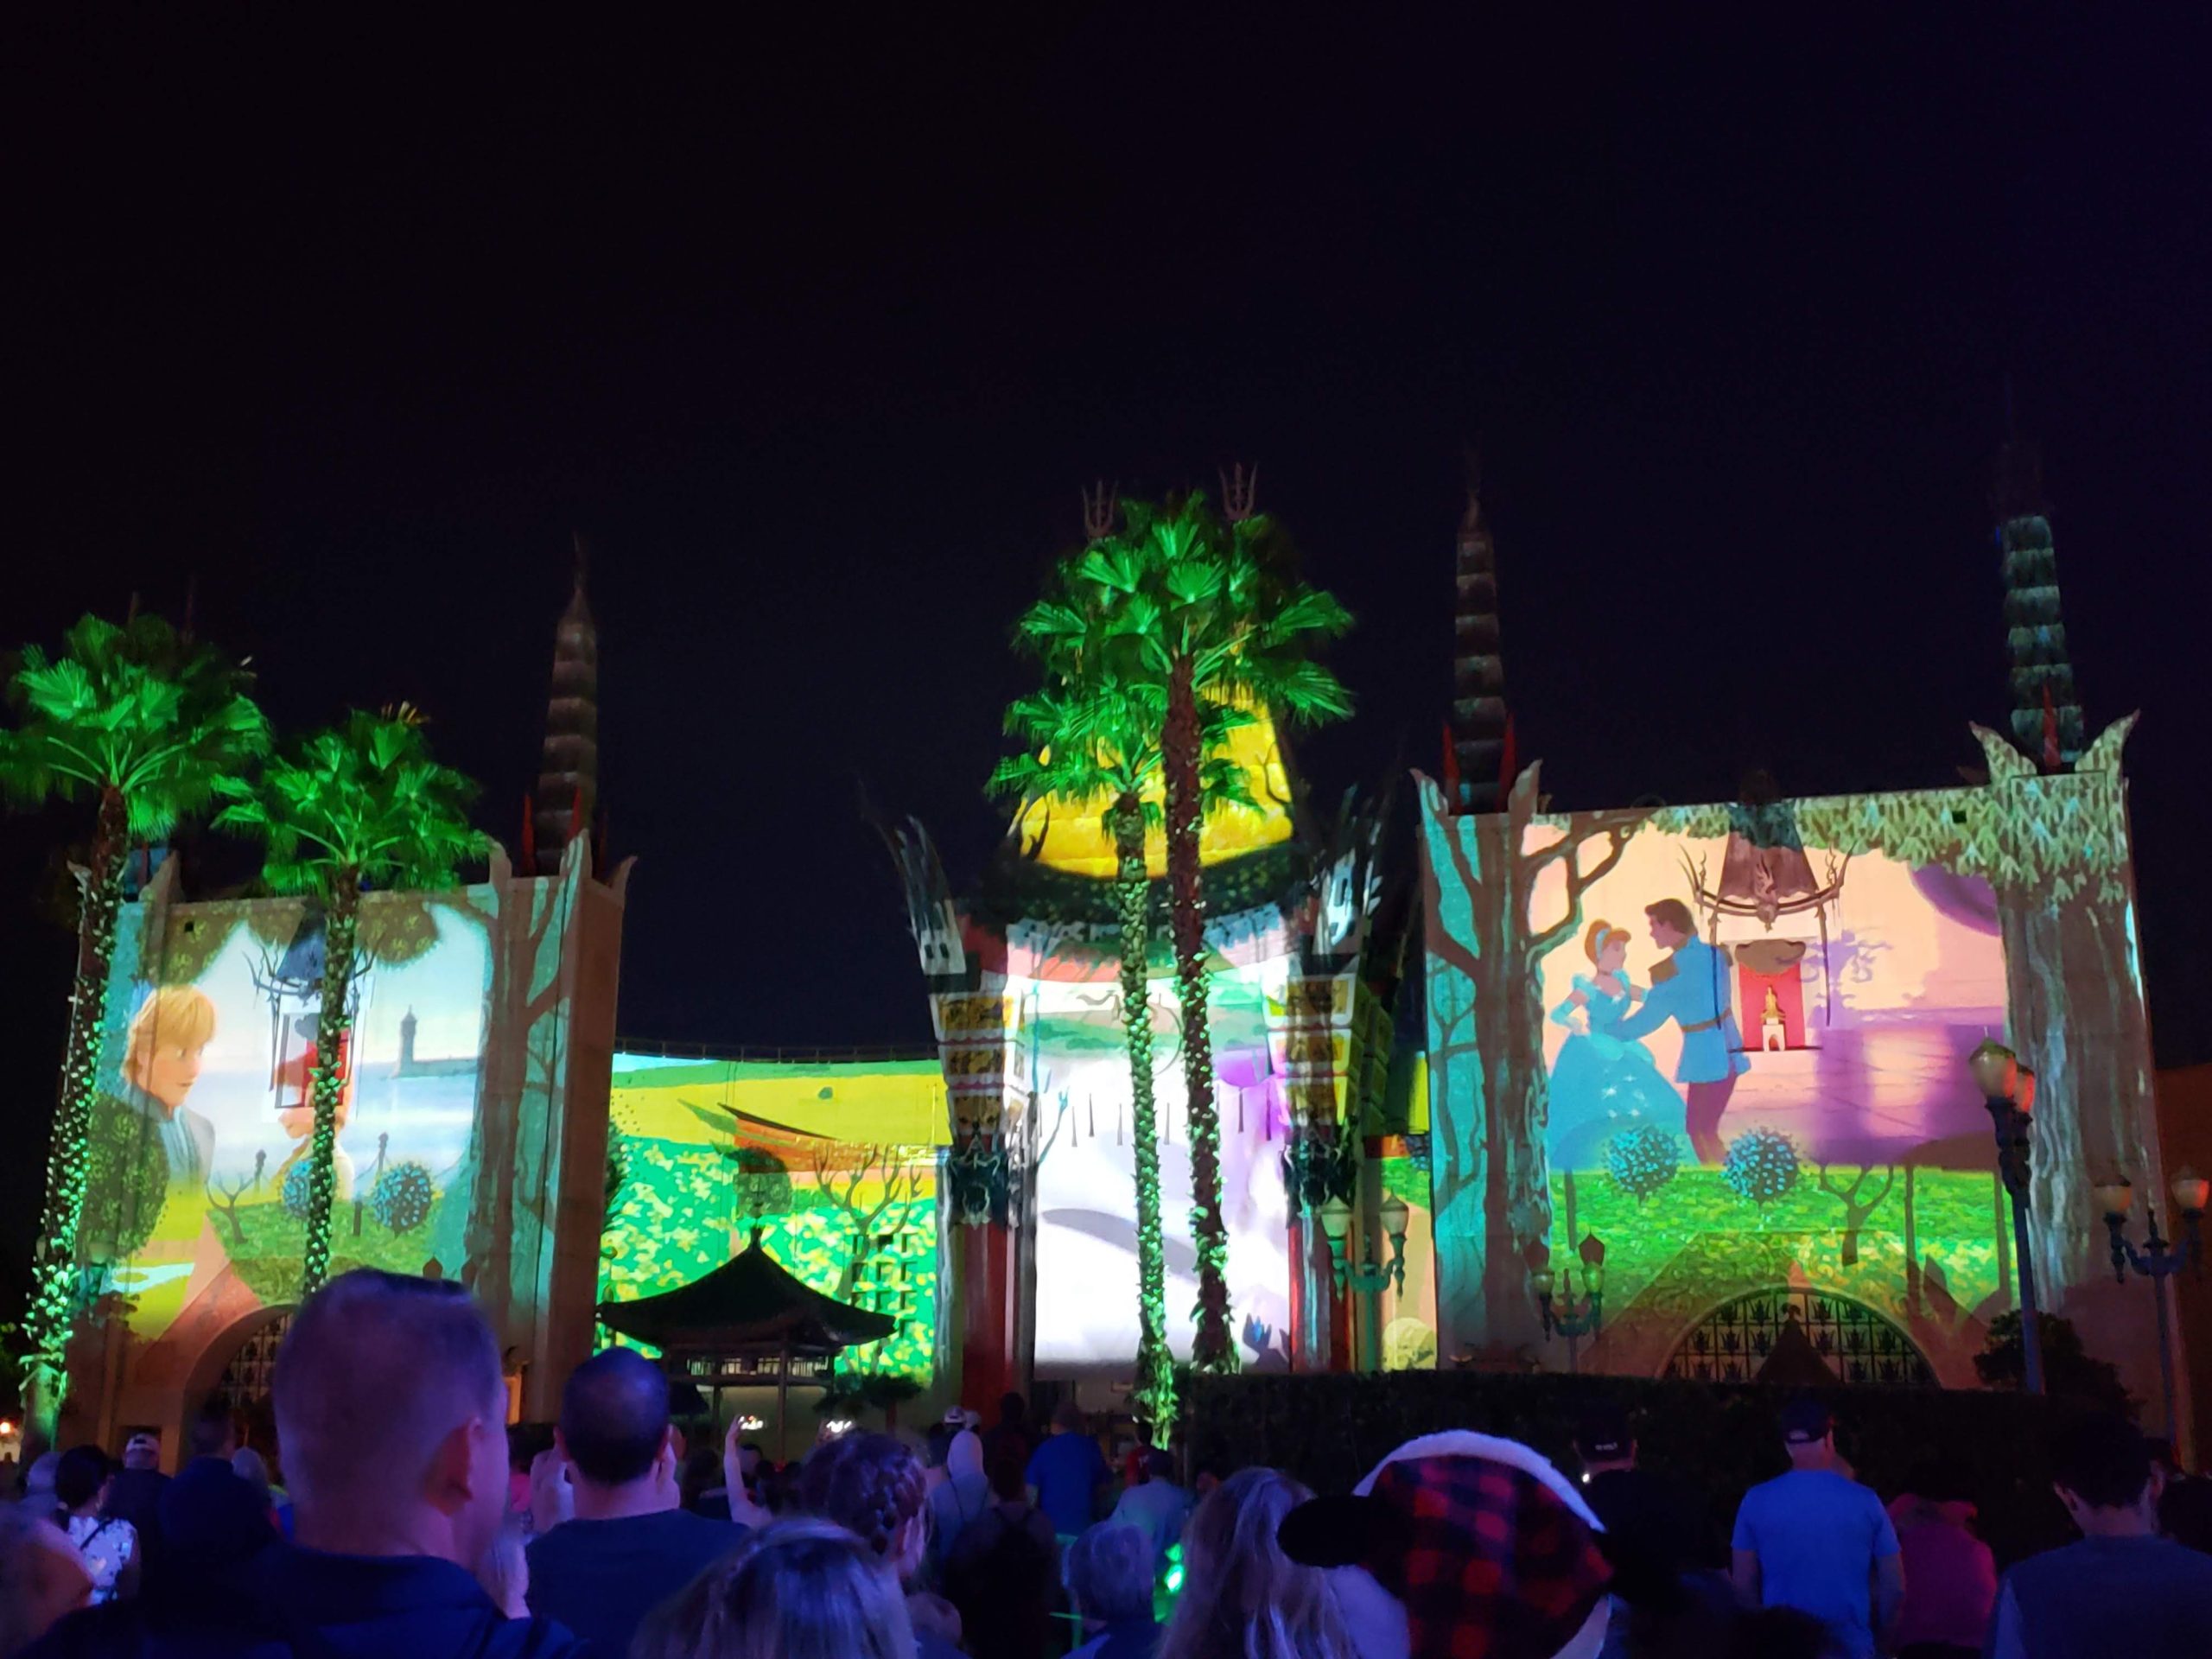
1691	988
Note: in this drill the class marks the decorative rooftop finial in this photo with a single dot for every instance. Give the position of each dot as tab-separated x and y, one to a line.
568	775
1238	487
2047	717
1099	506
1482	758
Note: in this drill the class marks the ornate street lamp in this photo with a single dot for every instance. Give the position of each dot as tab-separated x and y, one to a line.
2158	1260
2008	1090
1572	1316
1367	1276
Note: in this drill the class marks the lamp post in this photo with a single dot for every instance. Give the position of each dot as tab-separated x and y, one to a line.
1572	1316
1367	1276
2158	1260
2008	1090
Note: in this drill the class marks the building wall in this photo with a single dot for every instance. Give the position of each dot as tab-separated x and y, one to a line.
1853	1157
471	1141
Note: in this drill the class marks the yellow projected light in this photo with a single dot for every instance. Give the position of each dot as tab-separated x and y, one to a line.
1073	838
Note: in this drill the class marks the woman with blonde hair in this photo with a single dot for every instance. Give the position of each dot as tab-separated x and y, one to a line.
1603	1084
1243	1597
800	1589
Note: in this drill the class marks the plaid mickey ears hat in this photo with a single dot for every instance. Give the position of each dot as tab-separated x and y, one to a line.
1461	1546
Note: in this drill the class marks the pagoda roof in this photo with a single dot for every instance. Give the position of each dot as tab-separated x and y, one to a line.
749	1303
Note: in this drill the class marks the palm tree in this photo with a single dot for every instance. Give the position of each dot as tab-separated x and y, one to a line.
358	806
144	720
1093	736
1218	620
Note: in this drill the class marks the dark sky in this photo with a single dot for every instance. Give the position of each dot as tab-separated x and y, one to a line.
815	329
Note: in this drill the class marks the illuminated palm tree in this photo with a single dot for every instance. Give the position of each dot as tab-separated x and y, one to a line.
142	720
1092	736
1209	615
359	806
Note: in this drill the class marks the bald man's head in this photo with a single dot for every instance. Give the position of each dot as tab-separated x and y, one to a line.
614	1417
375	1382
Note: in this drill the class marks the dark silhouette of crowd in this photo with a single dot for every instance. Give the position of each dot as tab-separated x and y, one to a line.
409	1520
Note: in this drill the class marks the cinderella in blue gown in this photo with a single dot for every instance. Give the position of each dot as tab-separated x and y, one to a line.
1602	1084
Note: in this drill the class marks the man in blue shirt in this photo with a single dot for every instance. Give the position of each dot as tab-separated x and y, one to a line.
630	1545
1819	1542
1066	1472
2122	1589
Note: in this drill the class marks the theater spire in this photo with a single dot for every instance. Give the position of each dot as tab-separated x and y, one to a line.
567	773
1481	729
2046	716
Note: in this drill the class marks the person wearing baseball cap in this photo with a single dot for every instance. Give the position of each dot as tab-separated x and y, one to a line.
1817	1541
1658	1535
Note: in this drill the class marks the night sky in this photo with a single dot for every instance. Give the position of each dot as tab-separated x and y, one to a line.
815	335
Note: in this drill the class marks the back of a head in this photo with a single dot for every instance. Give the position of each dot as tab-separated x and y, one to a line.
870	1485
78	1477
252	1467
1236	1577
1602	1435
800	1589
1159	1463
39	1478
212	1432
1805	1425
1013	1409
1109	1573
614	1417
41	1577
1068	1417
964	1455
2102	1460
377	1371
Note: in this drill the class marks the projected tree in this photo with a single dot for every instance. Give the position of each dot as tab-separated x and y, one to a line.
1493	1179
142	721
1216	617
358	806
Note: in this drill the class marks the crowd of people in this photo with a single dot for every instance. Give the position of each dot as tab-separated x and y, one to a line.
411	1522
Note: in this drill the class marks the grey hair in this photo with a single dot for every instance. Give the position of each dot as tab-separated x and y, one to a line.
377	1370
1109	1573
799	1589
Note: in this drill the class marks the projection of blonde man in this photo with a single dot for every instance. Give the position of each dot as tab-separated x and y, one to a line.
161	1063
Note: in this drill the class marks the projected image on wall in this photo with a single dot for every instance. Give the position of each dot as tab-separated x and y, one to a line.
832	1167
1086	1229
1731	1042
200	1144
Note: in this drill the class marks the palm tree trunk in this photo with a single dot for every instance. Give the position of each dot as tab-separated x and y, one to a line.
47	1318
1155	1391
333	1029
1181	761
